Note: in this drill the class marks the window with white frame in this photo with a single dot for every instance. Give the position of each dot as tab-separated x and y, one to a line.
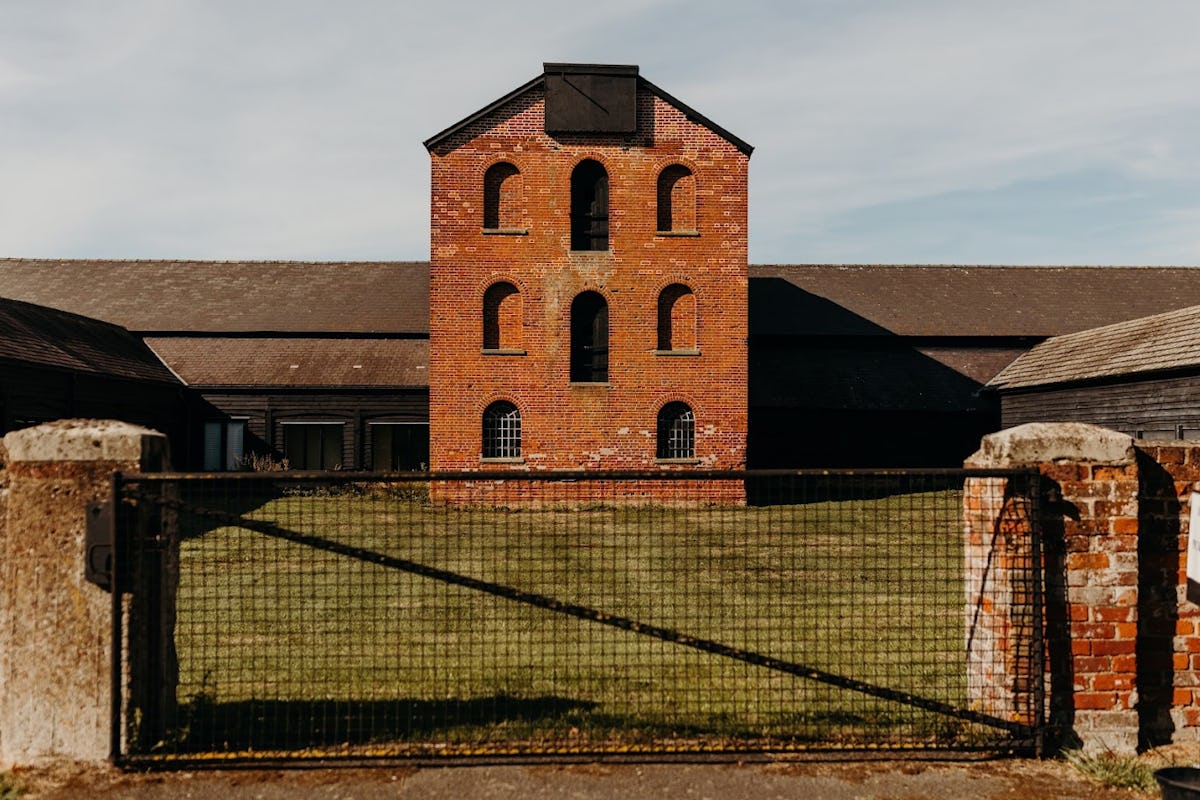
501	431
676	432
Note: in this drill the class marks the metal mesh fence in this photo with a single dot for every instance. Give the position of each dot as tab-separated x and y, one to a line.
361	616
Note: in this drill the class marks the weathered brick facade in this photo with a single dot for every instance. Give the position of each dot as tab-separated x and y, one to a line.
1122	641
525	358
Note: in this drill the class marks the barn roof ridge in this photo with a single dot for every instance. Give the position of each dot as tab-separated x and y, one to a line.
1155	343
33	333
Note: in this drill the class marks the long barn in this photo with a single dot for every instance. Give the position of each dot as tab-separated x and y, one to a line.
849	365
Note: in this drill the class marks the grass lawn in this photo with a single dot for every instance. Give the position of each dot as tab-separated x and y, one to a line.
281	645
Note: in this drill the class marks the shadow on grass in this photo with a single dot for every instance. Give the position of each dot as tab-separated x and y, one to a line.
313	726
788	490
299	724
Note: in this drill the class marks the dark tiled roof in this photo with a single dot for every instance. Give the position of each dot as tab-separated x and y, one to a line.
46	337
1152	344
255	361
229	296
916	300
809	300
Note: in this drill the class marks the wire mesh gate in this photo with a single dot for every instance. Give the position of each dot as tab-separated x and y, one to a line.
286	616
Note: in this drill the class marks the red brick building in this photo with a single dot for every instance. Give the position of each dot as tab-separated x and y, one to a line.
588	281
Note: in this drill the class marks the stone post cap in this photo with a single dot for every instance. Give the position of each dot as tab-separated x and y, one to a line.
1047	442
86	440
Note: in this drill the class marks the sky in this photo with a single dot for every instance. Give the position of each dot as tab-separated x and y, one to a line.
885	131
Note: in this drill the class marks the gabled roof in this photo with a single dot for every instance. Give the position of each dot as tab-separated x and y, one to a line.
229	296
1157	343
392	298
45	337
296	362
922	300
539	82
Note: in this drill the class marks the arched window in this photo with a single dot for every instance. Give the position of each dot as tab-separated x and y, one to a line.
501	430
589	339
502	317
676	431
589	206
676	318
502	197
676	199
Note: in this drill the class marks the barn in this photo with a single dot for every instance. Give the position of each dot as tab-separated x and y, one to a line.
54	364
322	364
1140	377
886	365
849	365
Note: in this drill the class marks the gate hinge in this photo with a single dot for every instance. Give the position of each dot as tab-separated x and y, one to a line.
99	543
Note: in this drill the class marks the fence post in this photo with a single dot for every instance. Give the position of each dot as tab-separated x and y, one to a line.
55	627
1089	524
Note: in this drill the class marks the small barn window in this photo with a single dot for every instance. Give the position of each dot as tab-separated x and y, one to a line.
589	339
676	432
502	197
589	206
502	317
224	445
676	318
501	430
676	200
313	445
399	446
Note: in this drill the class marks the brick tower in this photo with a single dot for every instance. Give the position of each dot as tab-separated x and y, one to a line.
588	281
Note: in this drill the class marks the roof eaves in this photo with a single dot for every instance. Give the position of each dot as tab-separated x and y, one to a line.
437	138
695	116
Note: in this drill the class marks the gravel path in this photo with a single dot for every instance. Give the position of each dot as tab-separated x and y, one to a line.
808	780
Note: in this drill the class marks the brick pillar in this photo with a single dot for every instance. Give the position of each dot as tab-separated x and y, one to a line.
1089	523
55	627
999	593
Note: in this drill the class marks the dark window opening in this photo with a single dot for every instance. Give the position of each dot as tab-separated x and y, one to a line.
676	199
399	447
501	431
676	432
501	317
589	207
313	445
224	445
589	339
501	196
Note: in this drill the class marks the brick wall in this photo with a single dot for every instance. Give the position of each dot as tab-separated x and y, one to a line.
587	426
588	493
1169	626
1000	608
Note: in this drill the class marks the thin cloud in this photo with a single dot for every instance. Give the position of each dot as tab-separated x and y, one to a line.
278	129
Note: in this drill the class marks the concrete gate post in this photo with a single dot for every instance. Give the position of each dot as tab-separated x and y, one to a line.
1088	508
55	627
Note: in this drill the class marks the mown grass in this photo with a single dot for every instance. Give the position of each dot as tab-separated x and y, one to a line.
284	643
